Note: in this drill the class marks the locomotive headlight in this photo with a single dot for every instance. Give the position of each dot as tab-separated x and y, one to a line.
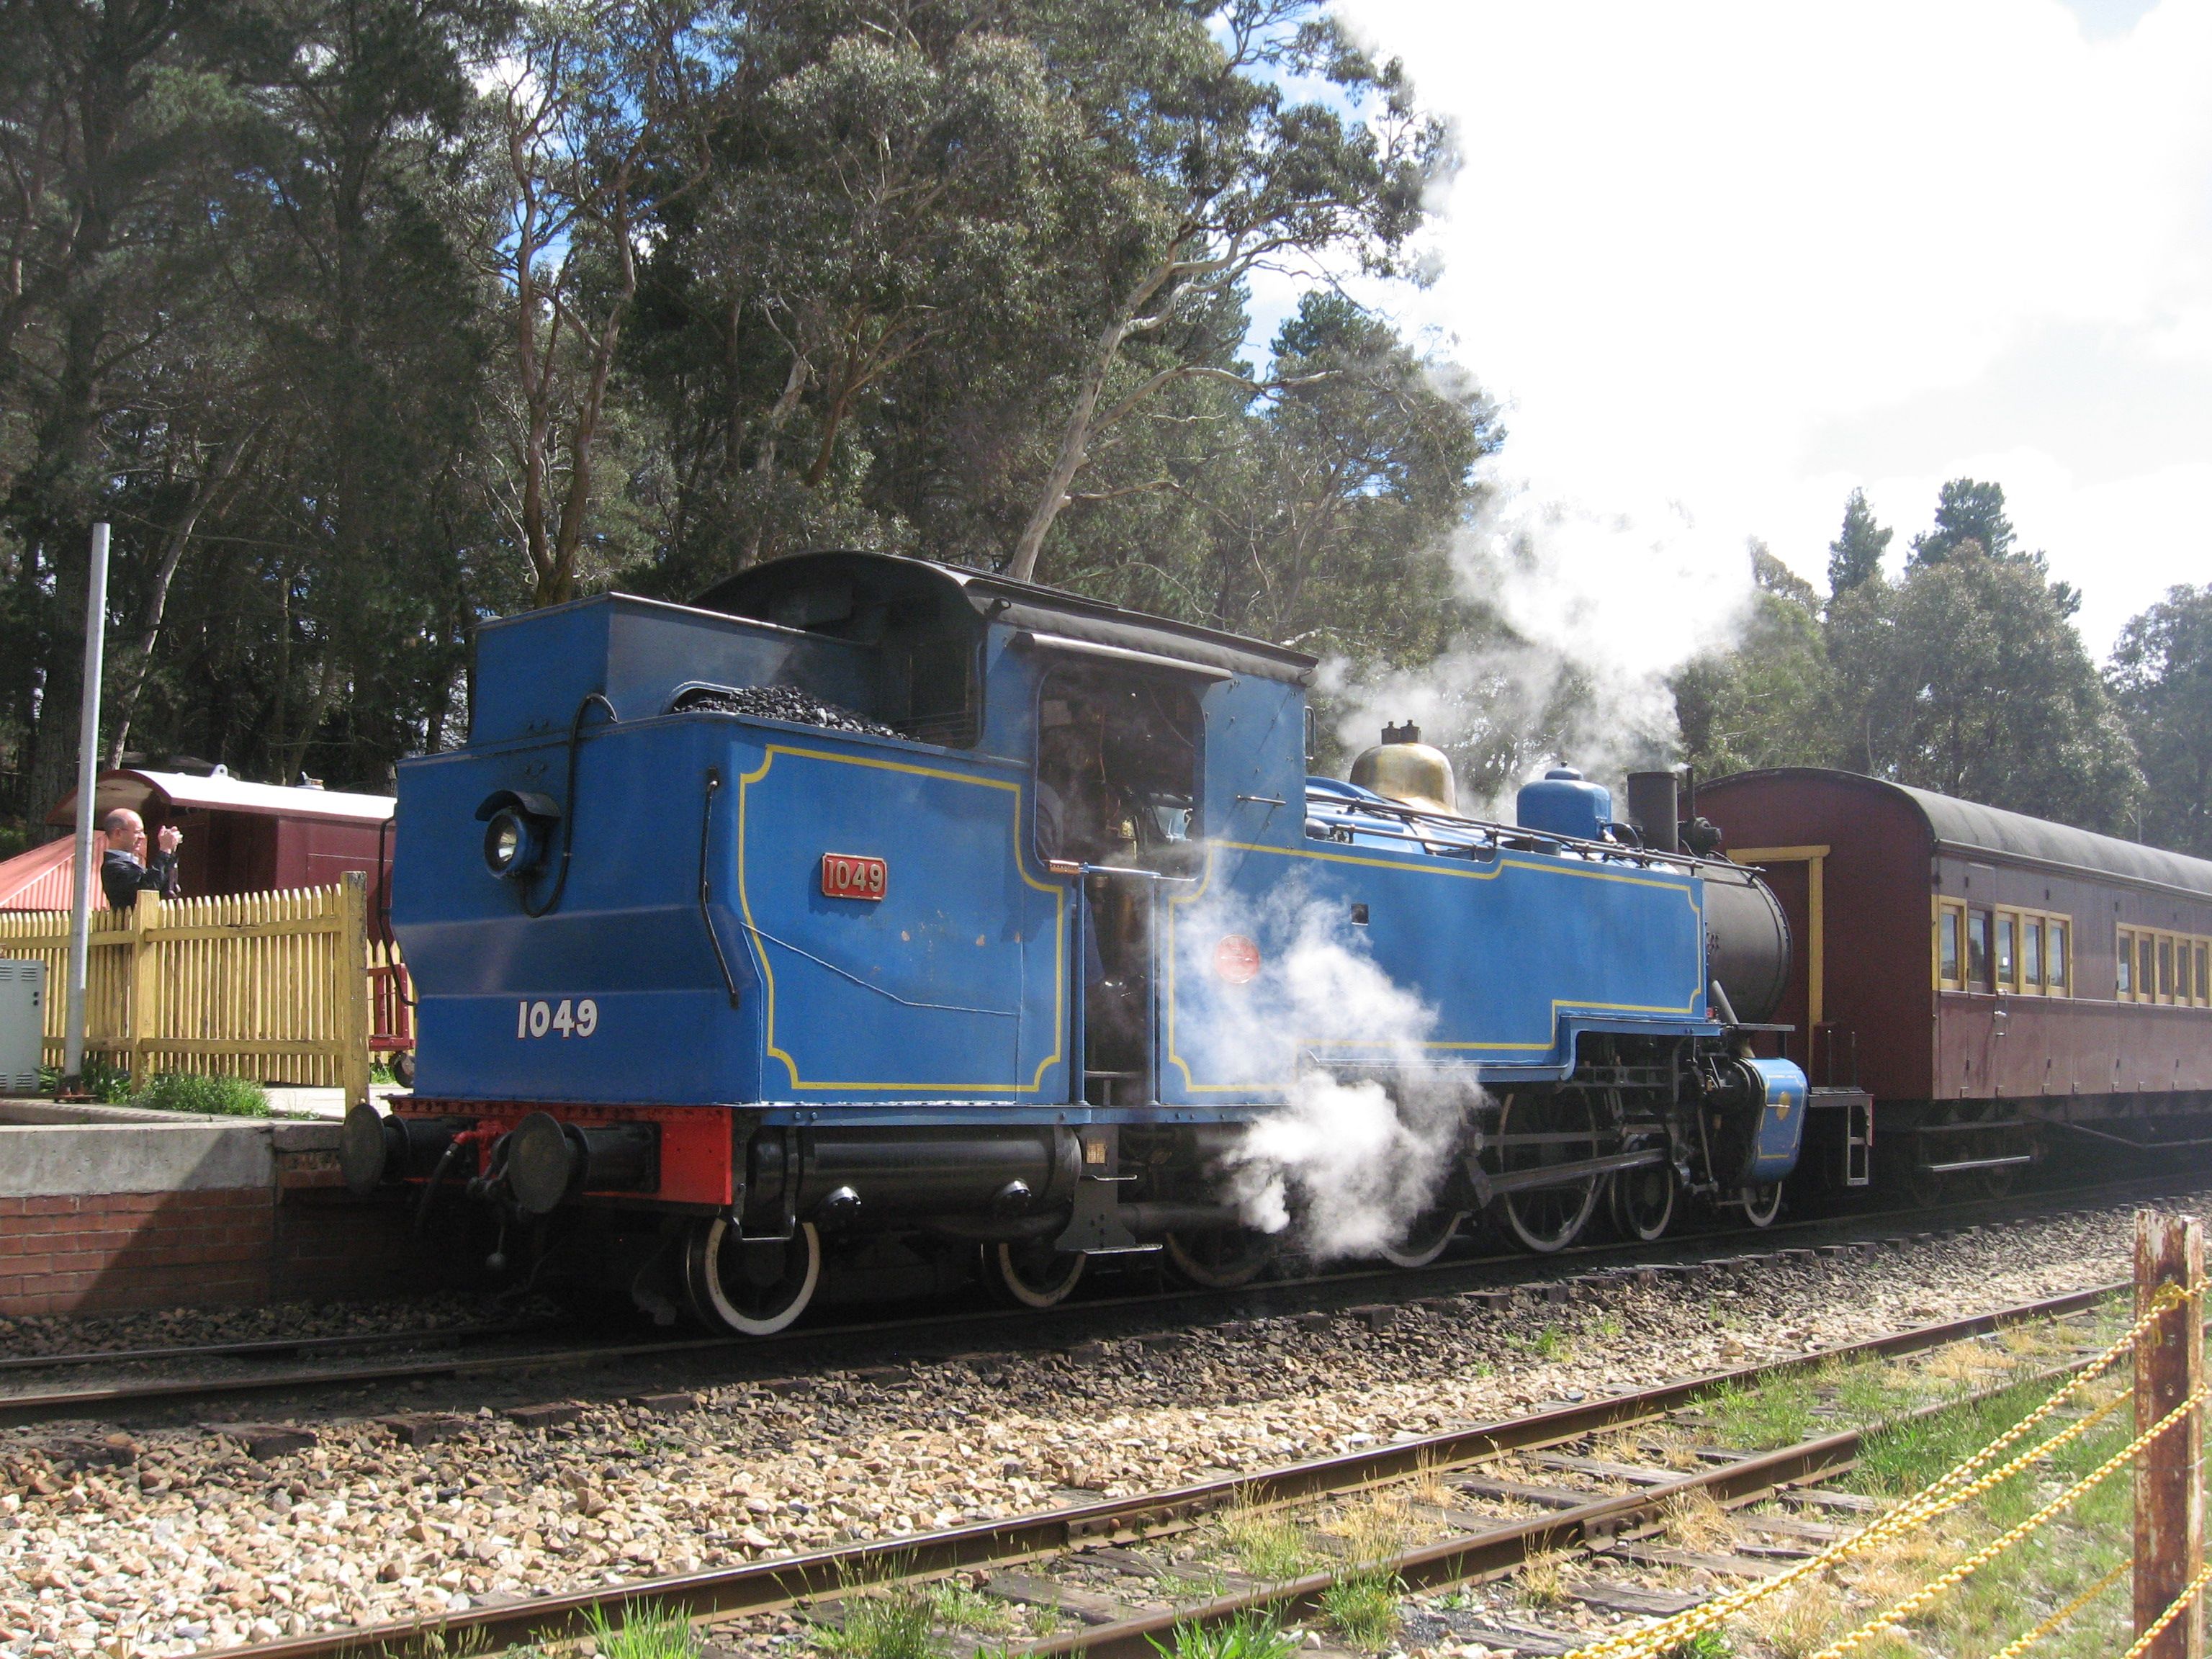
514	844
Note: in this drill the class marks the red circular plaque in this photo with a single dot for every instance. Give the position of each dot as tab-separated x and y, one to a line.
1237	959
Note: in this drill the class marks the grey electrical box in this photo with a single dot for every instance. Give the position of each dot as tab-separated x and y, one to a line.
22	1024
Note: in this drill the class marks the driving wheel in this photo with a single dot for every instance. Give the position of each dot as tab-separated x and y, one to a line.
1537	1129
753	1288
1761	1204
1643	1200
1031	1273
1219	1259
1429	1237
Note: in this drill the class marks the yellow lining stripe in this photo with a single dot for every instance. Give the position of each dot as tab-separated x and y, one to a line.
1060	920
1556	867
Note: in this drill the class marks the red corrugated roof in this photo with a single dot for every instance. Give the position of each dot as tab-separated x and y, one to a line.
39	879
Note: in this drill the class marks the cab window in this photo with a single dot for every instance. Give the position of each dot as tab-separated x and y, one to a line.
1117	776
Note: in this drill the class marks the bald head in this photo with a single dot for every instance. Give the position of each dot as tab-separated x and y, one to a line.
122	824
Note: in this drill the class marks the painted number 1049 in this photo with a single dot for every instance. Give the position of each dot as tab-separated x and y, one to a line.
564	1018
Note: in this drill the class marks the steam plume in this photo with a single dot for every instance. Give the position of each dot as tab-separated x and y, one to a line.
1345	1162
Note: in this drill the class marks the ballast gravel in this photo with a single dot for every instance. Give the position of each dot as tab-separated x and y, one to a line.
173	1541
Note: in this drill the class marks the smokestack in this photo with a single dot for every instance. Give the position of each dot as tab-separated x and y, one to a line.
1655	810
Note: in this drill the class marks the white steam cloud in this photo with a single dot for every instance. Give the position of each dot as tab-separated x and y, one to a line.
1598	608
1345	1164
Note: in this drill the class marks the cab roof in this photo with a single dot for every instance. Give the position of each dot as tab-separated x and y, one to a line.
776	592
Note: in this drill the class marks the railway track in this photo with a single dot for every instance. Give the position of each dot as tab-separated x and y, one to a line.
1602	1508
808	1350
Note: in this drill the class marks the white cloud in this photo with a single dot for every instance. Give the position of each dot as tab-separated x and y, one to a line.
1736	259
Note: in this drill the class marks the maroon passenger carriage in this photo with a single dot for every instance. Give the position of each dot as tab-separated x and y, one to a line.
1976	989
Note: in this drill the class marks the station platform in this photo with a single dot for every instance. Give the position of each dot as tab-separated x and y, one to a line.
112	1208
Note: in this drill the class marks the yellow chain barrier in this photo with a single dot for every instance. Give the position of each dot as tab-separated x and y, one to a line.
2004	1540
2044	1626
1960	1485
2173	1610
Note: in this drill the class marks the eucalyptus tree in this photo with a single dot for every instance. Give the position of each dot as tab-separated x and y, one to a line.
2161	676
1217	173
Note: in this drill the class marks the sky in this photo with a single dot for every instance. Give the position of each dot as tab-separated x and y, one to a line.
1722	263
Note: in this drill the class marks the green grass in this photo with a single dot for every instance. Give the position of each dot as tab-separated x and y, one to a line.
889	1623
954	1606
216	1096
644	1633
1364	1606
1552	1343
1705	1644
102	1078
1777	1413
1247	1636
1267	1545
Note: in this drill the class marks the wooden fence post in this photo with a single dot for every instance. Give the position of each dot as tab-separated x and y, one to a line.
2169	1493
352	987
145	984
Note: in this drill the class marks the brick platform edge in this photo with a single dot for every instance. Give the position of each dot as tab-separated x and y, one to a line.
125	1214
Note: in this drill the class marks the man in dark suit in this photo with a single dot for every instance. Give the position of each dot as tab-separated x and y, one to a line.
127	871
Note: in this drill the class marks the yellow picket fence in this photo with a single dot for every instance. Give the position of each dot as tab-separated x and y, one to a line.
271	986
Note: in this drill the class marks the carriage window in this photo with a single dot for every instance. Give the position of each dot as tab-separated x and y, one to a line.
2146	968
2055	954
2184	984
1977	949
2204	983
2126	986
2166	970
1950	924
2031	954
2008	952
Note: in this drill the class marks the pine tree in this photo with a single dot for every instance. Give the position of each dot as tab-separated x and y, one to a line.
1966	511
1854	556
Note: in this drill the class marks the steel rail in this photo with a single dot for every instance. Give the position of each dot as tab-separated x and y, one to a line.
778	1582
1502	1549
95	1403
264	1345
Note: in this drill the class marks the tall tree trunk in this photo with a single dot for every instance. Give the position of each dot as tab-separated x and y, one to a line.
157	601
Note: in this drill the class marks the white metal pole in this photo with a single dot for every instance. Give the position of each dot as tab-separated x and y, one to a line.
88	784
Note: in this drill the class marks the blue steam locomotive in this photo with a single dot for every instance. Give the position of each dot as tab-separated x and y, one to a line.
869	904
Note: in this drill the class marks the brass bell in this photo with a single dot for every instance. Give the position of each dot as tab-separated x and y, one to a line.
1403	768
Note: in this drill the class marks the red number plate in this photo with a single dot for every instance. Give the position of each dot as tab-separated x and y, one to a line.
846	875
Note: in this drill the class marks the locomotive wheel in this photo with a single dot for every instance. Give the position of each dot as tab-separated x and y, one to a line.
1429	1237
753	1290
1762	1204
1548	1219
1031	1274
1644	1201
1219	1260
